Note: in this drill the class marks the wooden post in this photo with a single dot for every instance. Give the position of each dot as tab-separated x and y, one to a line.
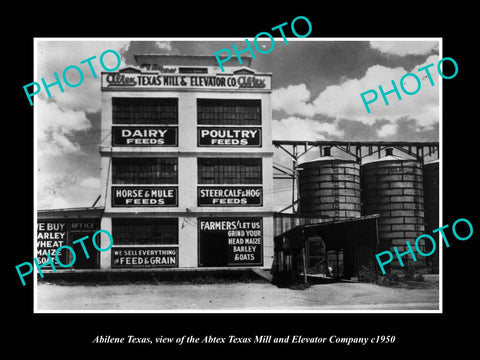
304	259
294	179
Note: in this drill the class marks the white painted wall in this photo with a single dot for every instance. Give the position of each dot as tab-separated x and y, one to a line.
187	153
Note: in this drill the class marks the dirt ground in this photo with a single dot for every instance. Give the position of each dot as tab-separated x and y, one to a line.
238	296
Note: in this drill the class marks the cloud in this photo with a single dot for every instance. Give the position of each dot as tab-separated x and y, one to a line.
55	128
405	47
163	45
54	184
91	183
387	130
64	170
55	56
294	128
343	101
293	100
59	186
48	202
59	156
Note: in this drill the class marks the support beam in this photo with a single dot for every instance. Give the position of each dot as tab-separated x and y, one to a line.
291	174
407	151
361	150
306	151
294	180
288	152
288	207
346	149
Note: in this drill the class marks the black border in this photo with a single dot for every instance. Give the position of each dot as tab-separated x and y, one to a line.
67	243
114	266
162	127
113	187
260	187
200	127
180	88
417	334
72	235
230	218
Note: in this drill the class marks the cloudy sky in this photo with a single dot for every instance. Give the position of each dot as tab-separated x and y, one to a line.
316	96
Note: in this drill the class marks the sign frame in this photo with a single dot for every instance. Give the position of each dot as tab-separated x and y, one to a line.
117	128
227	128
234	187
52	250
72	233
231	264
153	81
115	256
142	187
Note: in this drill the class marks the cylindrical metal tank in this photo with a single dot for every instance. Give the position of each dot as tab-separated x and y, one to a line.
392	186
330	187
431	187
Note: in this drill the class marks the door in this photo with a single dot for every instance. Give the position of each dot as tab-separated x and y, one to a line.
213	249
82	262
78	230
316	255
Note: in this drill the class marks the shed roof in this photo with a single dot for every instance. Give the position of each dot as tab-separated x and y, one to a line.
361	231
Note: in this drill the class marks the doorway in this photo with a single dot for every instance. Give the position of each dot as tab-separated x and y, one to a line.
213	249
82	262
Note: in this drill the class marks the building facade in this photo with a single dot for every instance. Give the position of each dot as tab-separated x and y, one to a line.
187	170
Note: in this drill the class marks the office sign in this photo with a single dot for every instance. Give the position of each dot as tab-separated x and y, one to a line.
243	238
144	257
144	196
50	236
144	136
84	226
230	196
230	136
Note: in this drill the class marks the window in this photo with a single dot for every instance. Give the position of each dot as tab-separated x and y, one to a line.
145	231
229	112
229	171
145	110
145	171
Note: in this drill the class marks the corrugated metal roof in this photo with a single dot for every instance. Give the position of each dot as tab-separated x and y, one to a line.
71	212
339	233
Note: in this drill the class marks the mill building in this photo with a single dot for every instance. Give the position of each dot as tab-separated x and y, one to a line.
187	177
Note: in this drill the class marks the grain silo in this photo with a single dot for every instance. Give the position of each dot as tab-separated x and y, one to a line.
431	186
392	187
329	188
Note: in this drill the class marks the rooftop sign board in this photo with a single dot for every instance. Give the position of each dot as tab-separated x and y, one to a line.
138	80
